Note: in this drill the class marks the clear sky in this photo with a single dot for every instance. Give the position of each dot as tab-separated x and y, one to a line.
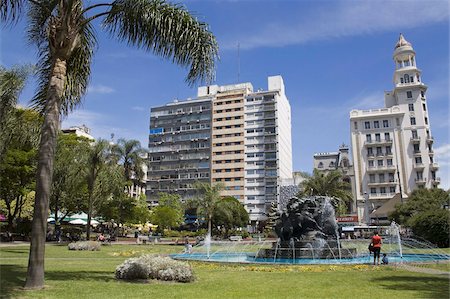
334	56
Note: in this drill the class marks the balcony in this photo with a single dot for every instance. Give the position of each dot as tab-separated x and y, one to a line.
420	181
419	166
415	139
377	142
436	180
381	195
431	152
382	183
380	168
417	153
430	139
434	166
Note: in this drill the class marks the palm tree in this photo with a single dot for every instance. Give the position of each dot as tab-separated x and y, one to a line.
12	82
63	34
130	154
208	200
327	184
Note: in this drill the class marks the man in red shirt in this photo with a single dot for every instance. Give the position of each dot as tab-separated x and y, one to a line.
376	243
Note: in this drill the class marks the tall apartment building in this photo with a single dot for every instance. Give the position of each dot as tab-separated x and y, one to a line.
179	147
393	146
241	139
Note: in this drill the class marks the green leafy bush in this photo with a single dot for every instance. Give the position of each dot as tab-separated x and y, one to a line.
155	267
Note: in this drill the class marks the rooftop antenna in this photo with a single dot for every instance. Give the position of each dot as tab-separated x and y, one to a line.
239	61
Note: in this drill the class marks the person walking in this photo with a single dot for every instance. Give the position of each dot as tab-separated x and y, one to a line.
376	243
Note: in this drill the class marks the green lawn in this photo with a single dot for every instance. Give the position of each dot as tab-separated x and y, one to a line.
71	274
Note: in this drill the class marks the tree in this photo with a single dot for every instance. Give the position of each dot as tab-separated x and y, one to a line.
169	212
69	188
130	154
426	213
63	34
328	184
207	200
229	214
18	162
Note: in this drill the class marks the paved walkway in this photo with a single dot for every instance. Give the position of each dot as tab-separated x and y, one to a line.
421	269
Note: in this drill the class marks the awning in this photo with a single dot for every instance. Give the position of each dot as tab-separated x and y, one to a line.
387	208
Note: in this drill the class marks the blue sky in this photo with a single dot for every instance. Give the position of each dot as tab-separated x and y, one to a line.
334	56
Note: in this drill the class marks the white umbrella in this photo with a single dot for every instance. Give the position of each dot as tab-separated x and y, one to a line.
94	222
50	219
78	222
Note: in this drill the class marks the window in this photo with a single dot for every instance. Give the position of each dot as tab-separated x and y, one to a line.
379	151
320	165
414	134
371	178
369	151
370	163
385	123
392	189
416	148
383	190
397	121
378	137
381	177
391	177
367	125
389	162
426	120
419	175
412	120
411	107
422	93
373	190
409	93
406	77
368	138
355	124
418	160
424	107
376	124
387	137
380	163
388	150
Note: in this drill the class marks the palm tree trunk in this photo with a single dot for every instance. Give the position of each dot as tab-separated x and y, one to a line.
46	156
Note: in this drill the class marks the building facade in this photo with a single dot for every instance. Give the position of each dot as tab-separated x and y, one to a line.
179	148
233	136
393	146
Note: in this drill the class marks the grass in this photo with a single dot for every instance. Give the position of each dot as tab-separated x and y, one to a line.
81	274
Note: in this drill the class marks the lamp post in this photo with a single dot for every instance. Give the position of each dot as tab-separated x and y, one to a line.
366	208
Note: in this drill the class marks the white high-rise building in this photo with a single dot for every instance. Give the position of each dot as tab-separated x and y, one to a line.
393	146
268	147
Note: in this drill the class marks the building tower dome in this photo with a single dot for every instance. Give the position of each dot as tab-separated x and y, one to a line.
406	71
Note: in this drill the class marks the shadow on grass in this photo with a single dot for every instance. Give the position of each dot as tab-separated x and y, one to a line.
430	287
12	278
15	250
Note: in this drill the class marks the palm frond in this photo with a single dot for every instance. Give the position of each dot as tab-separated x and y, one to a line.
169	31
77	65
11	10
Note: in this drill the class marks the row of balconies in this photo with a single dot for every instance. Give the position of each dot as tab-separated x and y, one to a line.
390	182
377	142
416	139
380	168
379	154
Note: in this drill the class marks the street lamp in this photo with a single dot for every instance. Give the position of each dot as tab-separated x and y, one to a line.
366	208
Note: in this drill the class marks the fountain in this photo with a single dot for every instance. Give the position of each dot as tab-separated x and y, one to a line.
308	234
307	229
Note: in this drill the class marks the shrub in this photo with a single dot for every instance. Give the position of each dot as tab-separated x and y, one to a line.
85	245
155	267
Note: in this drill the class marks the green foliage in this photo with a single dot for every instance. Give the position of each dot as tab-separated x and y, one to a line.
165	217
69	188
328	184
229	214
426	213
207	200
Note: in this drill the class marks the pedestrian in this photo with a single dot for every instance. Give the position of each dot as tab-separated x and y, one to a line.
376	244
385	260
